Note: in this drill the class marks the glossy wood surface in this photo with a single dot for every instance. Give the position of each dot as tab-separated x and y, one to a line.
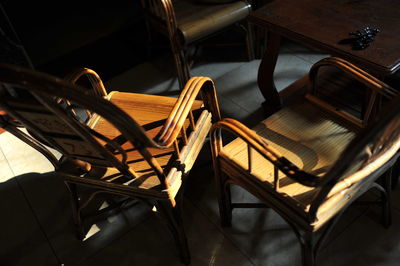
150	112
196	21
144	108
324	24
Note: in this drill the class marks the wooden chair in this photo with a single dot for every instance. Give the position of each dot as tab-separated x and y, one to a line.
185	22
309	161
134	145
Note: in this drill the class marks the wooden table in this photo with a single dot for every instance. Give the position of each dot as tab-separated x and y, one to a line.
323	25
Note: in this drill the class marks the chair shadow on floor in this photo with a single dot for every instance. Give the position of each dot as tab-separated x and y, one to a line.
37	229
36	213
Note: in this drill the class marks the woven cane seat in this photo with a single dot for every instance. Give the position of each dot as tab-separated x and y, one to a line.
305	137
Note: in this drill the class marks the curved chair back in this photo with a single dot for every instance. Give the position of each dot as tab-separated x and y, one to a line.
48	107
372	89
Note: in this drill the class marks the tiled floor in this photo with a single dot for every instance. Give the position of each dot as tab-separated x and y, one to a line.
36	224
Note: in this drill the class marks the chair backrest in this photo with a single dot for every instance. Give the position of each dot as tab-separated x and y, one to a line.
367	156
356	87
33	99
161	14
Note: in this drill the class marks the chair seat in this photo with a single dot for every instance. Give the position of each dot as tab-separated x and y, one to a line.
102	154
309	139
150	112
197	20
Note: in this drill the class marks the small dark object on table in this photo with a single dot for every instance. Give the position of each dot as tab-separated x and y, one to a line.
364	37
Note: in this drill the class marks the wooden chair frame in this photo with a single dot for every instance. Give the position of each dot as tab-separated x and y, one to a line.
63	97
380	162
161	16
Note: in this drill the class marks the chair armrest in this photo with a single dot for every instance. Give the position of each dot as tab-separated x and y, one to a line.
355	72
261	146
183	106
93	77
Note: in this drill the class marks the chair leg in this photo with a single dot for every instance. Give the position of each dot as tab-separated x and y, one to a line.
308	249
310	244
250	41
226	219
224	198
181	63
76	215
395	174
173	218
387	199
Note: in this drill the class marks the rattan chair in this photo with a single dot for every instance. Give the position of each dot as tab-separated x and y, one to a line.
309	161
133	145
185	22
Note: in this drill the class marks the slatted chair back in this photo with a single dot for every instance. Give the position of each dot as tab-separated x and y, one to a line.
47	107
375	91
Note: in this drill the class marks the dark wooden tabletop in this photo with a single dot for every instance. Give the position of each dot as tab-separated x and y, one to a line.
323	24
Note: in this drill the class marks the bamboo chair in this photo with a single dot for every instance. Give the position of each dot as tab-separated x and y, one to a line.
185	22
309	161
134	145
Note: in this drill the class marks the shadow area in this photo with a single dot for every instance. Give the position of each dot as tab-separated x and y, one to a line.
37	229
22	240
37	225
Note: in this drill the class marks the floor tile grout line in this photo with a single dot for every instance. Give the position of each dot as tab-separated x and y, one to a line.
222	232
395	208
149	216
8	163
228	71
312	52
38	221
235	103
322	248
345	228
131	228
234	69
311	62
238	104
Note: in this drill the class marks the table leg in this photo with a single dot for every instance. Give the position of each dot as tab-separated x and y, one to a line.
265	77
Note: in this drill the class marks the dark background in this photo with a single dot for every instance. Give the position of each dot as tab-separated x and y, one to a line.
109	37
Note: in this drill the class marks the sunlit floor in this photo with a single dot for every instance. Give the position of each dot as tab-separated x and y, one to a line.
37	228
